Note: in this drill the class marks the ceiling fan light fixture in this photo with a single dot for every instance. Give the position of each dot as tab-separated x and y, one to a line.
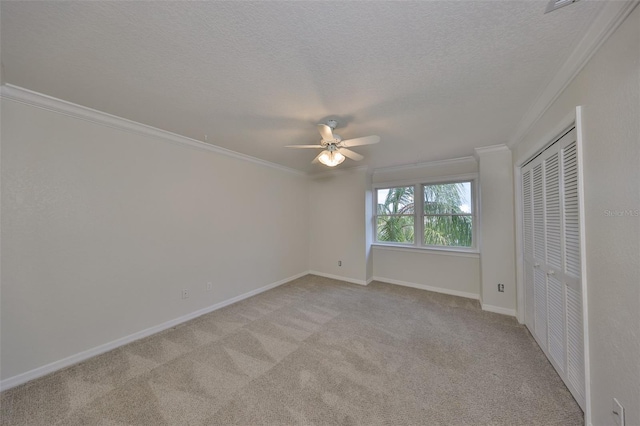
331	158
334	149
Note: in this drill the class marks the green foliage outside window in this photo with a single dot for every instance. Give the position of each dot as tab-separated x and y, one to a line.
448	220
395	215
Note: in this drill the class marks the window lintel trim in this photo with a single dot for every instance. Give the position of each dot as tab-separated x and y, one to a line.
427	181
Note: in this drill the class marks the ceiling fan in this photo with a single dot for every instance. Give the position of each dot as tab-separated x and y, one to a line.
334	148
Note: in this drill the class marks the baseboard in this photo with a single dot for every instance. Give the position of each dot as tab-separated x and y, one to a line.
428	288
369	280
89	353
337	277
498	310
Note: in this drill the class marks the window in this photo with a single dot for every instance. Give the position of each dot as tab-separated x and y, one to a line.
445	218
395	218
448	218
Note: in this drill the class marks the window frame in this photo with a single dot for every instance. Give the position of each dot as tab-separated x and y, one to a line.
419	213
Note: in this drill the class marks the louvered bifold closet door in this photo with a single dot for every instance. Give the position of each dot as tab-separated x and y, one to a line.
539	278
527	212
573	274
553	261
552	268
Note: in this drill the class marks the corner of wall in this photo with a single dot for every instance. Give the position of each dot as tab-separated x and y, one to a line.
497	226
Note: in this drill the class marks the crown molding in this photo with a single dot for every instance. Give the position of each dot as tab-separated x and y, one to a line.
607	21
49	103
490	149
460	160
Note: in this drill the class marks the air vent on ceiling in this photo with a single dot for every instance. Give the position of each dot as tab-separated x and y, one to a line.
557	4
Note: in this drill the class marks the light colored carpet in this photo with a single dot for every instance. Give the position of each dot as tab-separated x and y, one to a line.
314	351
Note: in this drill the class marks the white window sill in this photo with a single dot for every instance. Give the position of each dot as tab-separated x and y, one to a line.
449	251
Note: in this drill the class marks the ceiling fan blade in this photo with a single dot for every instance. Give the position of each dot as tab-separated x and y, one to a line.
304	146
316	160
325	132
350	154
366	140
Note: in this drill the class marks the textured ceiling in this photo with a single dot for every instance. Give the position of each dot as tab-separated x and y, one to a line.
433	79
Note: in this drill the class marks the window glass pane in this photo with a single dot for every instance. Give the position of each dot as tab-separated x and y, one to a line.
395	200
396	229
448	198
448	231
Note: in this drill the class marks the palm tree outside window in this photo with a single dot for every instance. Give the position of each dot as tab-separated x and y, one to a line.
395	215
444	220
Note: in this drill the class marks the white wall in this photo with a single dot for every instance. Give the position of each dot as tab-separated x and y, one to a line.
337	224
609	89
426	171
497	257
369	228
341	208
453	273
102	228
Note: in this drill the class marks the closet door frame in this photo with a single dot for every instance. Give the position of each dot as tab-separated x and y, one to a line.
575	118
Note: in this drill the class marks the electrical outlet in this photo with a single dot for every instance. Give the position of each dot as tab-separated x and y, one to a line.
185	294
339	262
618	412
209	286
501	288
